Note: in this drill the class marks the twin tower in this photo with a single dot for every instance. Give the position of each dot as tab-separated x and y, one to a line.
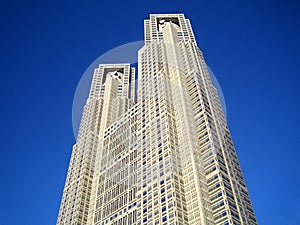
156	150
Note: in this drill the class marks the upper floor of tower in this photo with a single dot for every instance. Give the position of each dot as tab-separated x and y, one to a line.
161	26
121	74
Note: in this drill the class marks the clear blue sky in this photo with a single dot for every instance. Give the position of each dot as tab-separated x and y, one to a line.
45	46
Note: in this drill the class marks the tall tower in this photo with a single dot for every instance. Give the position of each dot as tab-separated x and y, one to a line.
163	156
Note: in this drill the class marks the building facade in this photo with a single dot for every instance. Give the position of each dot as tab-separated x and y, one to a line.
158	151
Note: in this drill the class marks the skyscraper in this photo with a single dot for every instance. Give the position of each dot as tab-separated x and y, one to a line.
160	153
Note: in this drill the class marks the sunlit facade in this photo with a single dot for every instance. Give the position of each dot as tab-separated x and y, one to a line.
156	152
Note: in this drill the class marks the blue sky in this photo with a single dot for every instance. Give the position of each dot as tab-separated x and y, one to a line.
251	46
